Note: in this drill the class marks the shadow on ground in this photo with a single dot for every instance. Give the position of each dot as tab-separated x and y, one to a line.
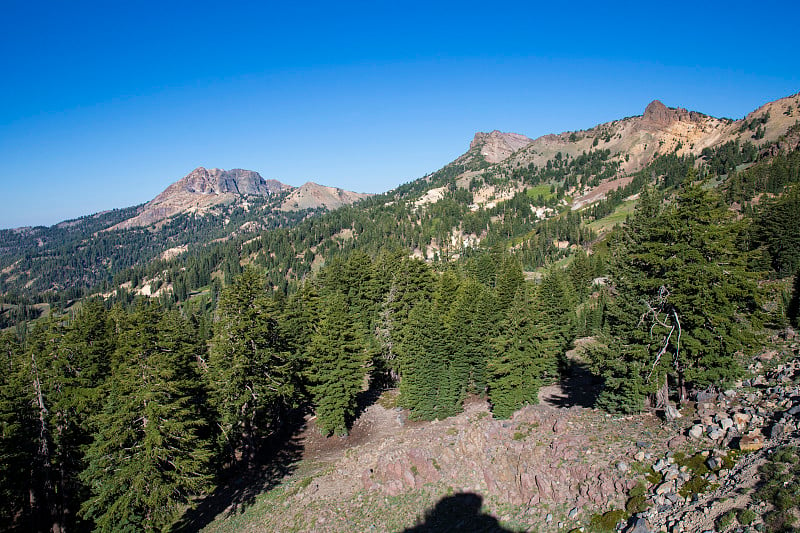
578	386
458	513
277	458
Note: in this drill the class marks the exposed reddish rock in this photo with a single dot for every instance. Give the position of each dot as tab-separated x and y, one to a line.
656	113
201	189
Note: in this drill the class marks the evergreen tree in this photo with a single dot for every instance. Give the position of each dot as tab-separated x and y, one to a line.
684	301
793	309
558	301
509	279
147	458
525	357
581	272
427	387
250	374
337	365
777	228
471	325
18	437
411	283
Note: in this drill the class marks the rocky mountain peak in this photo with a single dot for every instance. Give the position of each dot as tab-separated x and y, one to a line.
200	190
311	195
656	113
236	181
496	146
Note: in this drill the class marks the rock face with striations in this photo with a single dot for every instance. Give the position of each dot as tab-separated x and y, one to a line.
218	181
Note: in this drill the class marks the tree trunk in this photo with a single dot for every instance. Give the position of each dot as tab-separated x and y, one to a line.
662	395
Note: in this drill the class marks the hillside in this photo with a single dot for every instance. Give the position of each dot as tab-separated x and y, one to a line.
205	206
390	473
478	199
313	196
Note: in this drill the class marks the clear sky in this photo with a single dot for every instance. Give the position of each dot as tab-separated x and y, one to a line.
103	105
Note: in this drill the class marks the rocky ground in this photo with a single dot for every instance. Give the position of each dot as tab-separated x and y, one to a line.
556	466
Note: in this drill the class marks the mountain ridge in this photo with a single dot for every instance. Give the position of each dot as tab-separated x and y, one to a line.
574	169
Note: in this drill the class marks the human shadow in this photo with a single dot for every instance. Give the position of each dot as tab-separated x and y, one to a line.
239	486
458	513
578	386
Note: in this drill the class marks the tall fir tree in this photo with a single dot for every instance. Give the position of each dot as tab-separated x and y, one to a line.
685	301
337	359
525	356
251	374
471	325
18	438
427	387
147	458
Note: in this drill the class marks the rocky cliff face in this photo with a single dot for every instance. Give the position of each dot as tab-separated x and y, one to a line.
218	181
658	115
497	146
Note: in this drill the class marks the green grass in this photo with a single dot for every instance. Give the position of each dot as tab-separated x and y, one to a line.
540	190
617	217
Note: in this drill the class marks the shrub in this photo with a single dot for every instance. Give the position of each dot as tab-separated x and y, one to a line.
746	517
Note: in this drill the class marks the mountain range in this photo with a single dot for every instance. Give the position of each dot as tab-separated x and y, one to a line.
214	205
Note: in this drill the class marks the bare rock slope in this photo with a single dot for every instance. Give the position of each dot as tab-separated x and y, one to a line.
311	196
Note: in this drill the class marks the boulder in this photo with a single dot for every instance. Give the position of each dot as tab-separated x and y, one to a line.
714	432
671	413
696	432
639	526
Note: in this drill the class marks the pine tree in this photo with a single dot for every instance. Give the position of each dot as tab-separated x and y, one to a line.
525	357
777	228
509	279
471	325
411	283
147	458
580	272
337	365
558	302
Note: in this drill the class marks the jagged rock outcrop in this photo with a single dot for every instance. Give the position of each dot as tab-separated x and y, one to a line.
218	181
659	115
497	146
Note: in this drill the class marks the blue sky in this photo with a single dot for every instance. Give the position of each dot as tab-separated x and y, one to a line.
103	105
